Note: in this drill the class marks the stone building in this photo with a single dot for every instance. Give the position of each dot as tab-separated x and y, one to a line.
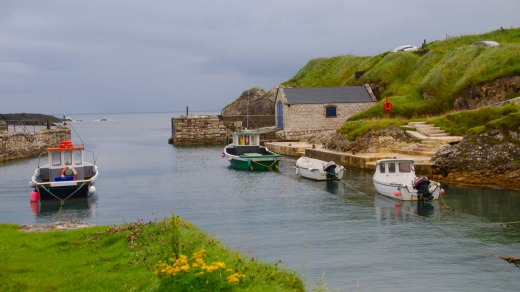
303	112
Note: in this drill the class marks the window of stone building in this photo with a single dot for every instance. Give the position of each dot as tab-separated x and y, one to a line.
330	112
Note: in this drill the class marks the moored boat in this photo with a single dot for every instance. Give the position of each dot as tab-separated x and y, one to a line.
395	178
67	174
316	169
246	153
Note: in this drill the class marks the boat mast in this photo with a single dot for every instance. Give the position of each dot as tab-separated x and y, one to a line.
247	110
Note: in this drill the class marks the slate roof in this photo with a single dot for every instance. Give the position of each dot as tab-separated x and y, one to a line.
339	94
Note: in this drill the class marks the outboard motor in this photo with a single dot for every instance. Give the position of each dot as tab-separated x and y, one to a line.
421	185
330	169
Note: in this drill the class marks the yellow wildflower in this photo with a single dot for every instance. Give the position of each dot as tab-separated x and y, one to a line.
219	264
235	278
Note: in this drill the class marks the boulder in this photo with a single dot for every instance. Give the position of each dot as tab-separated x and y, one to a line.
254	101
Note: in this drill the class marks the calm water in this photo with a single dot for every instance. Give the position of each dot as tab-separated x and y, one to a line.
346	235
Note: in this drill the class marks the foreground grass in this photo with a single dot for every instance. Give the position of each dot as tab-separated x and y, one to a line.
130	257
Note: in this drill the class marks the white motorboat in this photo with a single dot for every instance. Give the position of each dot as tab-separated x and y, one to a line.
395	178
316	169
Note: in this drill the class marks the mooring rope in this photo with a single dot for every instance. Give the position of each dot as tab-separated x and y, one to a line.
62	201
509	259
269	167
347	184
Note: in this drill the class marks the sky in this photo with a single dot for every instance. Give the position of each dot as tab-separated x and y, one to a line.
126	56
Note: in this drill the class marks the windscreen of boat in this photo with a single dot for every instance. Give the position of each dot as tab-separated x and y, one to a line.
405	167
56	158
78	159
68	157
381	167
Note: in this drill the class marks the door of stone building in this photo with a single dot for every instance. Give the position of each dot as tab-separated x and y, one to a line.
279	122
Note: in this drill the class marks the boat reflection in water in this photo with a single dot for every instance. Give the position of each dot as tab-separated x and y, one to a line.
80	209
388	209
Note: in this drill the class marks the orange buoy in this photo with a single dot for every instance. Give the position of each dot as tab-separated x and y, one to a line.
387	105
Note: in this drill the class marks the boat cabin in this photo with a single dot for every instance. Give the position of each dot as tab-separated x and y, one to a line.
392	170
246	138
65	162
247	143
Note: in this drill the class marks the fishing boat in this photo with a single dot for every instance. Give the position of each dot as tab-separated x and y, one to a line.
395	178
316	169
246	153
66	175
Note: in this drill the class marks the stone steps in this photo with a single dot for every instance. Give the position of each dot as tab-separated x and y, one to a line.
428	129
432	139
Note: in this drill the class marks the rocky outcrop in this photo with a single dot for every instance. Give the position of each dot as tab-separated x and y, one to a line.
491	157
30	118
372	142
254	101
498	90
378	89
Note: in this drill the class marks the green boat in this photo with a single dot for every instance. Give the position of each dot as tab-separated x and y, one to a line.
245	153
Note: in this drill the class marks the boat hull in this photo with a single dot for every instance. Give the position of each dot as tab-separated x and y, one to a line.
311	168
404	192
64	192
252	157
255	164
316	174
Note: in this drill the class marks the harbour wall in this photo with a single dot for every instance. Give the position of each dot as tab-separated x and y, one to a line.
24	145
211	129
366	161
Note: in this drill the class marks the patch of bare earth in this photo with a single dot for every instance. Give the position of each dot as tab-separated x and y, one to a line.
53	226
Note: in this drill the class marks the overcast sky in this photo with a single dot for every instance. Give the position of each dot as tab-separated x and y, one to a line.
118	56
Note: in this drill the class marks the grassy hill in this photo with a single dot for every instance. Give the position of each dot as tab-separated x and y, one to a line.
424	83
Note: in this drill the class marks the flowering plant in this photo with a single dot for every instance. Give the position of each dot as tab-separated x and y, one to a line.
194	273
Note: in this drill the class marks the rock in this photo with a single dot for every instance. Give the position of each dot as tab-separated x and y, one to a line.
372	142
53	226
254	101
30	118
490	157
498	90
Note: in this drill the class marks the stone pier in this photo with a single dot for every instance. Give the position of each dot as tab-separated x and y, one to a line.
24	145
201	130
212	129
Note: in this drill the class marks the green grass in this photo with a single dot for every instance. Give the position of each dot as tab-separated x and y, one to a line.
123	258
502	118
458	123
358	128
439	73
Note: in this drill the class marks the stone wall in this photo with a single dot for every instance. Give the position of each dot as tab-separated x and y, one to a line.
201	130
255	121
25	145
305	120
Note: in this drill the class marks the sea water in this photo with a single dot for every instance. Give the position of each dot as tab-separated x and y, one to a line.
339	235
